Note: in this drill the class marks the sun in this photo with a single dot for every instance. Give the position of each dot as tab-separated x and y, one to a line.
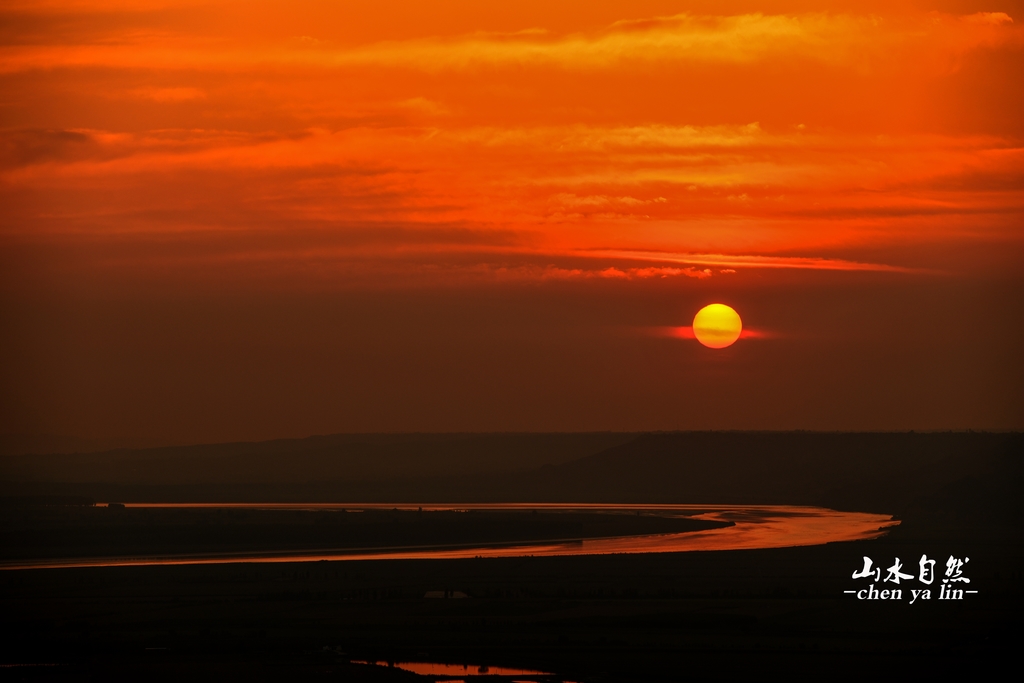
717	326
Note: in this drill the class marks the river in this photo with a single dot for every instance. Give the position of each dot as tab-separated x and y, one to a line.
754	526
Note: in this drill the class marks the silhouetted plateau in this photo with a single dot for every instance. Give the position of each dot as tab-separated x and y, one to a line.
975	473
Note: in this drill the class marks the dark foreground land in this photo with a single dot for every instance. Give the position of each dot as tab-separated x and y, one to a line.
704	616
733	616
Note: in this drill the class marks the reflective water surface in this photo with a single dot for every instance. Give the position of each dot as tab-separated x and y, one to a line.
454	672
754	526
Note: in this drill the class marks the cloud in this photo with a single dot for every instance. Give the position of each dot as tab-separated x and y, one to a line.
734	261
668	147
33	146
992	18
169	94
612	273
422	105
686	332
854	41
574	201
670	272
530	272
811	195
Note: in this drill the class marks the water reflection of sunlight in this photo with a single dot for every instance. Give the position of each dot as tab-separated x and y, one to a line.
454	673
754	526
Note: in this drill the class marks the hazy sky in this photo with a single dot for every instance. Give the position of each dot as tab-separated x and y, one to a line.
246	220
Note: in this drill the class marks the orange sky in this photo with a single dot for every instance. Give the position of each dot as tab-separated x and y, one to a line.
206	175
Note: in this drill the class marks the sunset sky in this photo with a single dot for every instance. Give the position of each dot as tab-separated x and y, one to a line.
244	220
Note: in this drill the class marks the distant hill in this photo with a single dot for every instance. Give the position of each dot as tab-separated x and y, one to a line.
963	474
293	468
959	473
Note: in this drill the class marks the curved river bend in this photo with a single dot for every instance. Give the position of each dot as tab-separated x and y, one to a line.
754	526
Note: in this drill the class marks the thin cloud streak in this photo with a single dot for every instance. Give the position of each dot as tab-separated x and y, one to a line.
846	40
752	261
686	332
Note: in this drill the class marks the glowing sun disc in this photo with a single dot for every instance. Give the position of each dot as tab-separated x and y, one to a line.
717	326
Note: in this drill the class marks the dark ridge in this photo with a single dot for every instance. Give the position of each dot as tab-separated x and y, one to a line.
958	474
317	459
797	468
46	501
